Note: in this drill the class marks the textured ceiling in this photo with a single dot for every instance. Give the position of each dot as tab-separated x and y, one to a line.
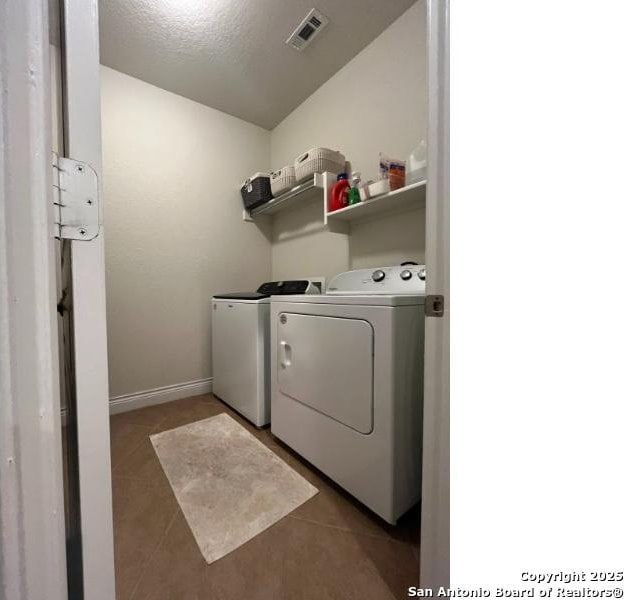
231	55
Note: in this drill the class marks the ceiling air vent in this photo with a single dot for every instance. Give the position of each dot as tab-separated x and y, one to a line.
307	30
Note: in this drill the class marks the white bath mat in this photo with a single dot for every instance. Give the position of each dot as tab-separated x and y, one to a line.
229	485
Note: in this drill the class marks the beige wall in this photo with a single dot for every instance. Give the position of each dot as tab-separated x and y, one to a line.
174	229
375	103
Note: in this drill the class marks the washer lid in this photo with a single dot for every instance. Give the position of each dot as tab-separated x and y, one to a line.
281	288
241	296
273	288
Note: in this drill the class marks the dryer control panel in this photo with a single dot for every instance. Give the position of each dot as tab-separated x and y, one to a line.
401	279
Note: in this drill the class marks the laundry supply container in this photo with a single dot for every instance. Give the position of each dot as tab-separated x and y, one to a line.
318	160
416	168
283	180
256	190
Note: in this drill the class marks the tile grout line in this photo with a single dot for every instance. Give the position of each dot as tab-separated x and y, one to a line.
153	554
416	552
149	430
137	425
345	530
156	428
123	460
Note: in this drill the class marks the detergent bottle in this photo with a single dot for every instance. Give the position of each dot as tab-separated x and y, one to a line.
354	192
339	192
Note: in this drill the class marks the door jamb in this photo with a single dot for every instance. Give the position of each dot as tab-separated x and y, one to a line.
32	538
435	540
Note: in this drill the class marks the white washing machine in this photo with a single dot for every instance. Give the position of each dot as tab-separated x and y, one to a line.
347	383
240	346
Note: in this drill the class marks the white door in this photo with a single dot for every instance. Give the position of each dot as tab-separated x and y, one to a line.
434	545
326	363
82	141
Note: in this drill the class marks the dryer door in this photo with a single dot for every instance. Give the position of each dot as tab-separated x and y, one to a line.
326	363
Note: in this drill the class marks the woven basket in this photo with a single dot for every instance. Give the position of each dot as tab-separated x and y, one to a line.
283	180
318	160
256	190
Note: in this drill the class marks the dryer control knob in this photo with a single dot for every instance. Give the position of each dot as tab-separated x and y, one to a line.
378	275
422	274
406	275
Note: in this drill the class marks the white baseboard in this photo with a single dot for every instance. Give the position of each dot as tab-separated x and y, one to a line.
168	393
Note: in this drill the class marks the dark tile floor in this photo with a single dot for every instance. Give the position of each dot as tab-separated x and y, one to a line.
331	547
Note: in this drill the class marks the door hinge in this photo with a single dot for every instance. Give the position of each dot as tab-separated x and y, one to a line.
434	305
76	199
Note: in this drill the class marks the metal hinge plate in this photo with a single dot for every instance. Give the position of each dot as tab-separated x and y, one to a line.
76	199
434	305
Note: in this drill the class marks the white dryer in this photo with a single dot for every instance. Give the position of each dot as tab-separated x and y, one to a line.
347	383
240	346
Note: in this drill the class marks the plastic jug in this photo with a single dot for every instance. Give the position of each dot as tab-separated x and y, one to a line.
339	193
417	164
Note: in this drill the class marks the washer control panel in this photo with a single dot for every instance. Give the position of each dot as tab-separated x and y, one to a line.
402	279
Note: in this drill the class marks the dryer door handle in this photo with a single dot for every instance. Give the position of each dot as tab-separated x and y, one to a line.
285	354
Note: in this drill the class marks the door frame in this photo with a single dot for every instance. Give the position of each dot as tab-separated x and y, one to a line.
435	540
32	540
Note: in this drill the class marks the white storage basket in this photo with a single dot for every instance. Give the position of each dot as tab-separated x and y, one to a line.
318	160
283	180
